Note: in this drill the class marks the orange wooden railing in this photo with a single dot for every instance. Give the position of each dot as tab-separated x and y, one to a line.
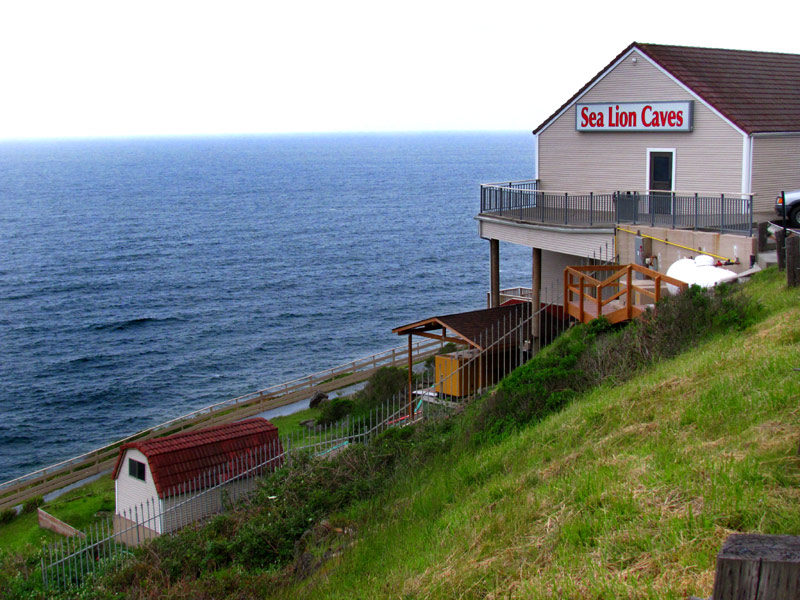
586	297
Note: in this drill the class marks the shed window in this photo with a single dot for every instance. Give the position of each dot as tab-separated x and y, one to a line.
136	469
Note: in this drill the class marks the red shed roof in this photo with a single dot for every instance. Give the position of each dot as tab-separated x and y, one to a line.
756	91
181	458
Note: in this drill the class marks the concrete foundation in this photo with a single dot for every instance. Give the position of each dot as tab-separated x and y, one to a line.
663	253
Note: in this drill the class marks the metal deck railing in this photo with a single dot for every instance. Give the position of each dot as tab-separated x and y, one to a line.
523	201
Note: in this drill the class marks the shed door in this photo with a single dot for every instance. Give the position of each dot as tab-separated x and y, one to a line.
661	164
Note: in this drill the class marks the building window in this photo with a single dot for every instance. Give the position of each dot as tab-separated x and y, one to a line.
136	469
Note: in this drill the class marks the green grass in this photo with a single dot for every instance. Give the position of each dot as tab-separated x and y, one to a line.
291	423
79	507
628	492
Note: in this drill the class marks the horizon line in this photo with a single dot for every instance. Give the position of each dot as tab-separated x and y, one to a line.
206	135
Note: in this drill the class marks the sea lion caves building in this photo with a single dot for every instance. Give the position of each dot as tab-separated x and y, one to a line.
668	152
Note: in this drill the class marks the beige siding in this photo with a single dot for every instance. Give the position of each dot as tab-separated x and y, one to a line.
708	159
553	265
132	493
564	241
776	168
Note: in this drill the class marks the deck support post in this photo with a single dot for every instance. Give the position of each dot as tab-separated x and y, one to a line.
536	286
410	390
494	258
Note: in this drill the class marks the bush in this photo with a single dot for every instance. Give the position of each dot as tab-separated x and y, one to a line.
31	504
384	384
335	410
7	515
586	356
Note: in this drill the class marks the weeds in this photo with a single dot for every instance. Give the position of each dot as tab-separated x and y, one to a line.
588	355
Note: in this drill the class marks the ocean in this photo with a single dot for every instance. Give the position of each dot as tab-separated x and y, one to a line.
141	279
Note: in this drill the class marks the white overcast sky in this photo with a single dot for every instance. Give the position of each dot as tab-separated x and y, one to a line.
113	68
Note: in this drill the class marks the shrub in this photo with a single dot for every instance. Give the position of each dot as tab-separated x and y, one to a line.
7	515
588	355
385	383
335	410
31	504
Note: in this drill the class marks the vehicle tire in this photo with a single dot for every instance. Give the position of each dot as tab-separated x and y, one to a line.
794	217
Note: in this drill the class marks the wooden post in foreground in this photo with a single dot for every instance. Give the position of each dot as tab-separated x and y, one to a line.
758	567
792	260
780	249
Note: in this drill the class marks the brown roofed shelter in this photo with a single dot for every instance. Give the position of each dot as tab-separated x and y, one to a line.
482	331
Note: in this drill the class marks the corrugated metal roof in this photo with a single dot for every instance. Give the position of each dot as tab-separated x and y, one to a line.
757	91
178	459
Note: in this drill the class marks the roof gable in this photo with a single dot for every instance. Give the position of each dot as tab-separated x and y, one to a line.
755	91
175	460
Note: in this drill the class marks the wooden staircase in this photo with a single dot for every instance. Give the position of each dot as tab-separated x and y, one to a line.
618	296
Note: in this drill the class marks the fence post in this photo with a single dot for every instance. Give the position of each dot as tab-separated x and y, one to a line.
591	208
566	215
696	209
792	260
780	250
722	215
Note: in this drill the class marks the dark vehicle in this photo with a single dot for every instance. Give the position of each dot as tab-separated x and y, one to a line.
792	208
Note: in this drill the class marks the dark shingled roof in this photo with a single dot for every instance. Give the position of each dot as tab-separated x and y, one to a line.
757	91
479	328
183	457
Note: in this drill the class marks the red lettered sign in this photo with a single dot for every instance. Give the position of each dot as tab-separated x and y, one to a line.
634	116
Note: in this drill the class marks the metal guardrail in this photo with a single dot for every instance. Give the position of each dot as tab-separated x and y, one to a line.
62	474
523	201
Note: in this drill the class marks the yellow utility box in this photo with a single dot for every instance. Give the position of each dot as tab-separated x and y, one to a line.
457	373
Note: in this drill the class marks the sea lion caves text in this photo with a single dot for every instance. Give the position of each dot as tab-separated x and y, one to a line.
644	116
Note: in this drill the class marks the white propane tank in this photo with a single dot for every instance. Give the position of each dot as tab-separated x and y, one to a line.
698	271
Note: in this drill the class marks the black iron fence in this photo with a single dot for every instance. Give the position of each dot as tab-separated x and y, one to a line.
523	201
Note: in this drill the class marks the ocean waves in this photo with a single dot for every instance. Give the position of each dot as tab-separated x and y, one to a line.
143	279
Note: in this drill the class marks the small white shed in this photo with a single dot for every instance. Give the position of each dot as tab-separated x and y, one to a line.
165	483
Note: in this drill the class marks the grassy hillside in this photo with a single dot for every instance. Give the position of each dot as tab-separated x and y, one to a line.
628	492
593	489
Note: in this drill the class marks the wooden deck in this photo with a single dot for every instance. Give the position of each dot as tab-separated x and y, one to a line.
618	296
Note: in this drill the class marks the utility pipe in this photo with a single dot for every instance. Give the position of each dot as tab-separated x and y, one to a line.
678	245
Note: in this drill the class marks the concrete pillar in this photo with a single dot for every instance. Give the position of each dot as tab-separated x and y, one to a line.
494	259
536	286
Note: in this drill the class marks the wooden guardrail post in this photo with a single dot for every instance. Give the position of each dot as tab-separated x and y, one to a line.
780	249
598	290
628	292
792	244
758	567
